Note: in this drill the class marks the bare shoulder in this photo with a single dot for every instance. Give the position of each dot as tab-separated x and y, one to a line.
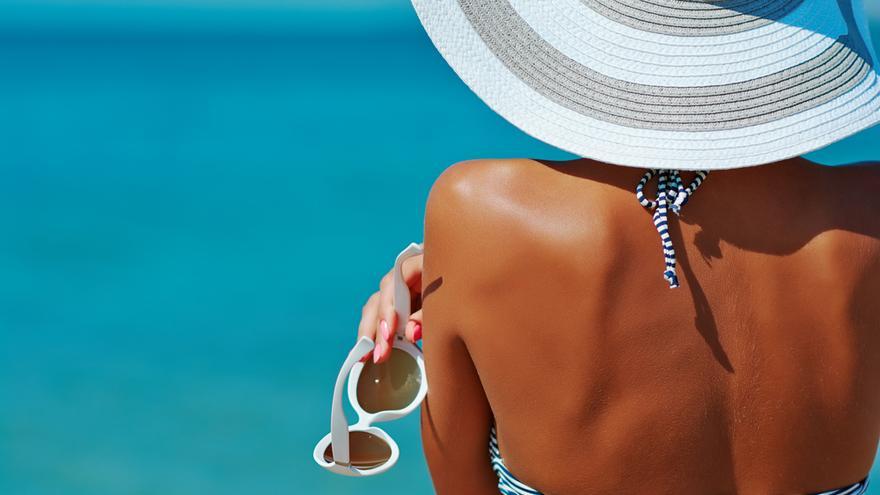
854	186
507	193
498	185
482	191
474	179
494	216
868	170
481	214
870	166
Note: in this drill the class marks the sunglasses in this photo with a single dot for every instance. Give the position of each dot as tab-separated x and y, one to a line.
377	392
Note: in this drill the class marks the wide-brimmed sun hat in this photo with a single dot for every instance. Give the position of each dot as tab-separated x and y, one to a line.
667	84
670	84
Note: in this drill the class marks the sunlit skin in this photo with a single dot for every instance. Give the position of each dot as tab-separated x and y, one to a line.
545	308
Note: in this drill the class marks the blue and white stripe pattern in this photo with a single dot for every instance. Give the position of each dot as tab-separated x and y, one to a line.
509	485
507	482
859	488
671	195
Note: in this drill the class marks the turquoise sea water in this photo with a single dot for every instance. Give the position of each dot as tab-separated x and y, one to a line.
190	224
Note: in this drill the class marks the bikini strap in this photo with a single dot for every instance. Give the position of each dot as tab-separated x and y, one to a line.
671	195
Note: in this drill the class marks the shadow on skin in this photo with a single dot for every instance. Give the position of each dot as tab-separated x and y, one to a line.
431	287
704	319
759	209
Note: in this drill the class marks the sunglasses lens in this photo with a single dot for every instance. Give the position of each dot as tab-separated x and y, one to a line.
391	385
366	450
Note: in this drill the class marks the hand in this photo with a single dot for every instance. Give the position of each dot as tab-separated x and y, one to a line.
378	319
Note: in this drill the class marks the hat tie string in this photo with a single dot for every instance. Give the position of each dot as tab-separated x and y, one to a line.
671	195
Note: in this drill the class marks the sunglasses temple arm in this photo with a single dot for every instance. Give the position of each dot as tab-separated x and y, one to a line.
401	291
338	421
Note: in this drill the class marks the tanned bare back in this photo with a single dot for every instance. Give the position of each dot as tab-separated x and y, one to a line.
545	308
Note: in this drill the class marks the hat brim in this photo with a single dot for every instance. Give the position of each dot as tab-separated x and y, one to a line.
658	60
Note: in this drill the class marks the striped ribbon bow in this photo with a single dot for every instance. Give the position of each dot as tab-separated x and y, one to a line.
671	195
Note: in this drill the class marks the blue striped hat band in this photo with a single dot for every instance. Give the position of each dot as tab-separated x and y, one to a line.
671	195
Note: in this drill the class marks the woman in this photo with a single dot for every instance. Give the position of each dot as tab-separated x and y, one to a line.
752	365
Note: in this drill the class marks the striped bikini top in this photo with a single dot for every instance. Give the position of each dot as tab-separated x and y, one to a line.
509	485
671	195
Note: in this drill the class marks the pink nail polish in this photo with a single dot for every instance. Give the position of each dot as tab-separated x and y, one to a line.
376	353
417	332
384	331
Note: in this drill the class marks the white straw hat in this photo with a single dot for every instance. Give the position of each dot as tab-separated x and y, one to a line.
669	84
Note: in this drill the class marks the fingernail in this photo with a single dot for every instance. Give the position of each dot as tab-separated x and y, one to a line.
384	331
381	347
417	332
378	350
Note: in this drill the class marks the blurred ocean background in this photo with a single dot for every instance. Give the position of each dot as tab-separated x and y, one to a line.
196	199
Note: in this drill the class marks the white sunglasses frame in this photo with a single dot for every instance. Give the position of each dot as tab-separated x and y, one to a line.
351	369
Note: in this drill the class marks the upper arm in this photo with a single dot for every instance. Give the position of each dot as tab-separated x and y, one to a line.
455	419
456	416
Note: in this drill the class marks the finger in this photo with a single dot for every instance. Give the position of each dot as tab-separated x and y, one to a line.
387	320
414	327
382	351
412	273
369	315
